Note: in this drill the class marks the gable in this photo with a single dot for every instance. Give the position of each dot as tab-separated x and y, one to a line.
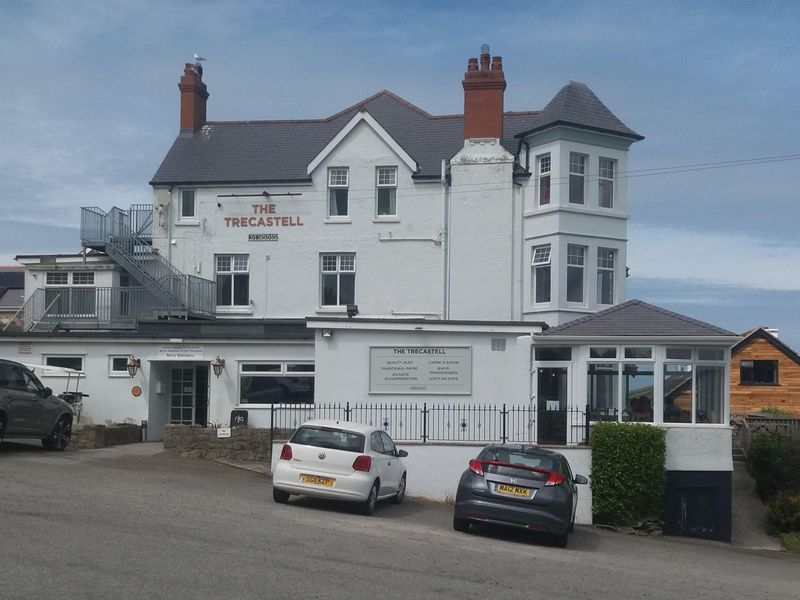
362	118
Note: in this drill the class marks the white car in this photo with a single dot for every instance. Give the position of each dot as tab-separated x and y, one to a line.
340	461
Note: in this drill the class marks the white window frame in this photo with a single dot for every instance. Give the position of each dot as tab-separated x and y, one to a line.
606	177
388	183
544	167
338	271
336	182
114	373
82	357
573	264
77	284
183	217
48	282
695	362
577	172
284	370
231	272
541	257
603	268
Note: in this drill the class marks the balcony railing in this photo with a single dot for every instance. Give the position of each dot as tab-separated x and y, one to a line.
53	308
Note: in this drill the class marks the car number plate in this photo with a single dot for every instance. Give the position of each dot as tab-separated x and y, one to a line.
513	490
316	480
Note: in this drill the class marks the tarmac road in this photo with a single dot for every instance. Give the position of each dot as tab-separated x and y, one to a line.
135	522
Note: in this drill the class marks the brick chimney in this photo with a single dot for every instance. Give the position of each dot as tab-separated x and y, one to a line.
483	97
193	97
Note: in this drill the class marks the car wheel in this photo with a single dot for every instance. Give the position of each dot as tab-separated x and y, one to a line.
461	524
60	436
368	507
401	491
280	496
561	540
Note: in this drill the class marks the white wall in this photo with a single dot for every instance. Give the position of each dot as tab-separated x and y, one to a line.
343	368
398	260
699	448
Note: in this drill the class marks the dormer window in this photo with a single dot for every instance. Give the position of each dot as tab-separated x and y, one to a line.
544	179
338	184
606	182
577	176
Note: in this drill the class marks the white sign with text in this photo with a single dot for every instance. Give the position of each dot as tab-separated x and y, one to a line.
420	370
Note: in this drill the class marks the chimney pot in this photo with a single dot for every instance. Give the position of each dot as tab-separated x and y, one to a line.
483	97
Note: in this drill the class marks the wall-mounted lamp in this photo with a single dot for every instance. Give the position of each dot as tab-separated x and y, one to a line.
352	310
327	333
133	365
218	364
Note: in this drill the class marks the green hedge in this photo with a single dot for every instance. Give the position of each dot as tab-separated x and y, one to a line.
784	512
628	474
775	464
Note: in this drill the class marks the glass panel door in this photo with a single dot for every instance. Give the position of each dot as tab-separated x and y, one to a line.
552	405
181	408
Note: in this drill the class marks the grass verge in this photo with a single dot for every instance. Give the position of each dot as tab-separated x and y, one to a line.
791	541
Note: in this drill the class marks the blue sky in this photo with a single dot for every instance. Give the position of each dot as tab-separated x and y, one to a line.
89	106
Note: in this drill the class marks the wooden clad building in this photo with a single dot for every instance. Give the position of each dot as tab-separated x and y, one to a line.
765	373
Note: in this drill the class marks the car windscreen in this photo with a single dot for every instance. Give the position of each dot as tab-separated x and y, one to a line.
328	437
527	459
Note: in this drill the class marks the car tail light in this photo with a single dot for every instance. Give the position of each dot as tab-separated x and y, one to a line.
286	452
476	466
362	463
554	479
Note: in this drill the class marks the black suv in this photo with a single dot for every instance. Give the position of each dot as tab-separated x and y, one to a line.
29	410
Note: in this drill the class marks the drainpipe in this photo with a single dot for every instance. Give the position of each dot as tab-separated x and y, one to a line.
445	244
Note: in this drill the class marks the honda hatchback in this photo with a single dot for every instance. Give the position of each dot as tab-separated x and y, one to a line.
340	461
519	486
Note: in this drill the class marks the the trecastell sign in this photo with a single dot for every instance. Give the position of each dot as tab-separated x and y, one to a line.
420	370
263	216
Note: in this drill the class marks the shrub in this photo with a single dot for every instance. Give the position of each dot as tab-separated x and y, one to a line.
628	474
778	412
784	512
775	464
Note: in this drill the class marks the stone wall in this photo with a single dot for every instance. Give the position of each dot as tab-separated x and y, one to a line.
99	436
245	443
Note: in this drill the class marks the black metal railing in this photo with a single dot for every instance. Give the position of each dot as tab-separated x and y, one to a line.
409	422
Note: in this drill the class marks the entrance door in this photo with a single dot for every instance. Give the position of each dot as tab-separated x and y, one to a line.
552	405
201	394
181	405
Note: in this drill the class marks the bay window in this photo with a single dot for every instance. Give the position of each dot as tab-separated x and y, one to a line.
577	176
540	271
576	256
606	182
606	261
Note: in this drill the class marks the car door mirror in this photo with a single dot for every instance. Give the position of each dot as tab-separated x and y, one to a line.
402	453
581	480
47	392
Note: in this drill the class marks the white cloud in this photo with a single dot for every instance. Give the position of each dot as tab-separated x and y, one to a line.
714	257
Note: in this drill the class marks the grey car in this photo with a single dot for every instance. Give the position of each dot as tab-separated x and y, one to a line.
28	409
519	486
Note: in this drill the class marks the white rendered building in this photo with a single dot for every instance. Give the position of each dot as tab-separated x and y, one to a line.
381	256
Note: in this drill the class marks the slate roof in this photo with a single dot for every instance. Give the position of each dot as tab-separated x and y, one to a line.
12	279
761	333
636	318
280	151
576	105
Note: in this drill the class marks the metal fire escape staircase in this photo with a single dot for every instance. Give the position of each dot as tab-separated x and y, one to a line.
126	237
163	292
